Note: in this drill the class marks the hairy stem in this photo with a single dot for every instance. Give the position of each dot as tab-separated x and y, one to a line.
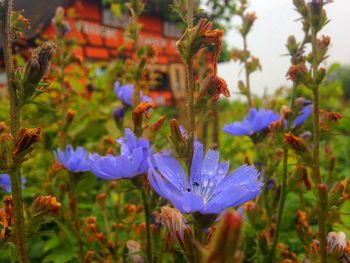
316	149
282	200
190	94
148	225
15	172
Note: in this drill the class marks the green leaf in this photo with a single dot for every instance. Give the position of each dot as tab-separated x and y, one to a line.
41	105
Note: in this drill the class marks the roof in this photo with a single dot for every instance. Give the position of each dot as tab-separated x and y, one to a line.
39	13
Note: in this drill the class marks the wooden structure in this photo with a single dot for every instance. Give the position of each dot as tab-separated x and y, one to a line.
99	33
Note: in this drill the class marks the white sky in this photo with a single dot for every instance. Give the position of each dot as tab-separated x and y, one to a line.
276	21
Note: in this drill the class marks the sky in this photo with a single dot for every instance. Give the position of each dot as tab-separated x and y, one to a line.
276	21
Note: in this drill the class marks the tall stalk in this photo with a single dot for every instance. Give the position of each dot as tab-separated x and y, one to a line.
15	173
148	225
190	93
247	74
272	255
316	148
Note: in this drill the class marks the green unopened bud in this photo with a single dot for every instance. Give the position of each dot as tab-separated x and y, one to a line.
177	139
198	37
255	215
335	196
321	74
292	45
37	67
224	244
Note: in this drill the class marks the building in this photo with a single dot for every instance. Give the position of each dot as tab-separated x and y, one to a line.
99	33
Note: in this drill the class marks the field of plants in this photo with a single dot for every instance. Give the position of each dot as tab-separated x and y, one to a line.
92	170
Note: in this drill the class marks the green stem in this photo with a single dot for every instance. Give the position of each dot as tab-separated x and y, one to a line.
148	225
272	254
74	214
247	75
316	149
190	94
15	173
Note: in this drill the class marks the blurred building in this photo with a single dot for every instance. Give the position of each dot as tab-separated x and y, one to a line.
99	30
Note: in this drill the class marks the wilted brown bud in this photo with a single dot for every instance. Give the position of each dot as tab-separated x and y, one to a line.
70	115
44	206
198	37
248	21
225	241
7	218
297	143
37	67
303	228
297	72
213	86
179	230
158	124
3	127
26	138
138	113
327	118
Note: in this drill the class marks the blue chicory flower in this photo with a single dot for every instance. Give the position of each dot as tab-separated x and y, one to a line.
125	93
74	161
302	116
5	182
209	190
256	121
131	162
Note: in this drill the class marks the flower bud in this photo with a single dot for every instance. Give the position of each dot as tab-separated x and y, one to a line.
3	127
198	37
7	218
335	196
44	206
303	228
26	138
137	116
70	116
212	87
225	241
37	67
179	230
155	127
177	139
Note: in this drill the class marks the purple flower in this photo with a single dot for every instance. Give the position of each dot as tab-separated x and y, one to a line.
125	93
302	116
5	182
208	190
131	162
74	161
256	121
